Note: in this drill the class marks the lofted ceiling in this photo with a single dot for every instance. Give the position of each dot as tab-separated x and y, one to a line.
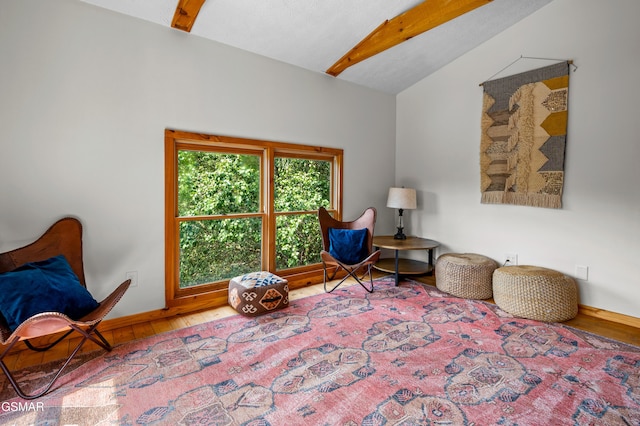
347	39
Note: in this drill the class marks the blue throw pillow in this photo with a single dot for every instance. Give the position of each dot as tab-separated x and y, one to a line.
348	245
46	286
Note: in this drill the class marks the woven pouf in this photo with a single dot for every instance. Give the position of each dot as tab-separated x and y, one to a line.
535	293
257	293
465	275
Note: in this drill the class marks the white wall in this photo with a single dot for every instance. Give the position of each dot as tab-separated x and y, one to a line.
85	96
438	140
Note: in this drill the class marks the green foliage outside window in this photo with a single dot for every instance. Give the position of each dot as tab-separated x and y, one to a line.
215	250
211	183
300	185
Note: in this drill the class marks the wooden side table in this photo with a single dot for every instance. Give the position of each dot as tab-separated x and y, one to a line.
399	266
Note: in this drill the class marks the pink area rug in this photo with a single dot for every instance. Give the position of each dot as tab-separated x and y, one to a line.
404	355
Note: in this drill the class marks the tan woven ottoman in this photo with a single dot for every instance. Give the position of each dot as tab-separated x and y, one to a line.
466	275
536	293
257	293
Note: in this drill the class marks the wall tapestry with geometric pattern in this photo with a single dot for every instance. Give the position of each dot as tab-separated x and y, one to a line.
524	131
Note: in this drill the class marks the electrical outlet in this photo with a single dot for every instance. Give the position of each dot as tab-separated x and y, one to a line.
133	276
510	259
582	272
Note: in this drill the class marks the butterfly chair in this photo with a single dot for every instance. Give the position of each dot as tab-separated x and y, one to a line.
348	246
52	265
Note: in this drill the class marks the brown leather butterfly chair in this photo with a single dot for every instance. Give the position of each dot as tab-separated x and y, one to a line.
359	256
63	237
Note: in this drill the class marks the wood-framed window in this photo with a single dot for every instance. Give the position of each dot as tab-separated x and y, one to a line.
235	205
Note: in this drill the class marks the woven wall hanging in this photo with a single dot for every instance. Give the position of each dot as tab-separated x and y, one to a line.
524	132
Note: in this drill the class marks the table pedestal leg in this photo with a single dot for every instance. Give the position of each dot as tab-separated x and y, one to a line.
397	269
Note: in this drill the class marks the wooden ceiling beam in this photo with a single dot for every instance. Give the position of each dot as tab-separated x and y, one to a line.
186	14
417	20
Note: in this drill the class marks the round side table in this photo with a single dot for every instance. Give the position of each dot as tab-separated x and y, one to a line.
399	266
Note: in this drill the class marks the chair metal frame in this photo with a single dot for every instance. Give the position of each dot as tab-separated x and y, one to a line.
63	237
366	220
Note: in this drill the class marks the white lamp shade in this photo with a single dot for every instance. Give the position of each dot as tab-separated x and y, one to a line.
402	198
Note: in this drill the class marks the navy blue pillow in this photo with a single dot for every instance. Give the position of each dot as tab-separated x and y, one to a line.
348	245
46	286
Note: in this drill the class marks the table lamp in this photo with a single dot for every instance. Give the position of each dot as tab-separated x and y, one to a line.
401	199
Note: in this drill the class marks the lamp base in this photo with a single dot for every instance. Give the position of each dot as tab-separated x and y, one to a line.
400	234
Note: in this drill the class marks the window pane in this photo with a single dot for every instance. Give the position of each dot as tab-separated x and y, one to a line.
212	183
216	250
301	184
298	240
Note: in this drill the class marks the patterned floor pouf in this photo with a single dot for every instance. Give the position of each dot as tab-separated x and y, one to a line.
466	275
257	293
536	293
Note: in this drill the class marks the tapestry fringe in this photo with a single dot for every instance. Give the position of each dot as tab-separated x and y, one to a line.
493	197
532	200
